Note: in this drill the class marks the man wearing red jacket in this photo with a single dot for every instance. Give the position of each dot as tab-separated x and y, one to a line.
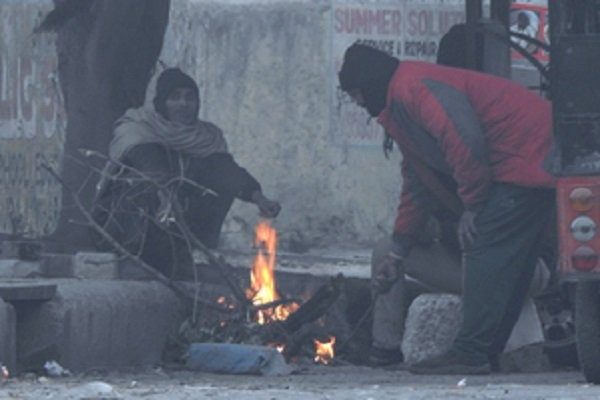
481	146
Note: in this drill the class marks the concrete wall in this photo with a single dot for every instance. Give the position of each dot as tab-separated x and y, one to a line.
32	120
94	324
267	75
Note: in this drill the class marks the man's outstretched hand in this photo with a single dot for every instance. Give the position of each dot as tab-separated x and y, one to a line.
268	208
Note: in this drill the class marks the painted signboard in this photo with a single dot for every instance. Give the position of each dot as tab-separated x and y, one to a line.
32	121
409	30
530	18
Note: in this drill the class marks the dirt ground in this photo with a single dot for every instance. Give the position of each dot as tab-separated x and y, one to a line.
314	382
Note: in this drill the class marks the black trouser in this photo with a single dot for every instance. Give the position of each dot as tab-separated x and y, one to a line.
499	265
164	247
128	210
206	212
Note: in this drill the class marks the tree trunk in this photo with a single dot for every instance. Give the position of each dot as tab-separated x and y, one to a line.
107	50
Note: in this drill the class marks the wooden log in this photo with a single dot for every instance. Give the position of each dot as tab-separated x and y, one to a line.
316	306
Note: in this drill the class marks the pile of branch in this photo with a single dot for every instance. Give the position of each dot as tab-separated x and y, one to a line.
295	334
235	322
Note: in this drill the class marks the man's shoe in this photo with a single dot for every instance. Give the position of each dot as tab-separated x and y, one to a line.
450	364
385	357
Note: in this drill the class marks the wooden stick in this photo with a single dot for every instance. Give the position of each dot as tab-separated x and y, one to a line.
318	305
177	289
224	269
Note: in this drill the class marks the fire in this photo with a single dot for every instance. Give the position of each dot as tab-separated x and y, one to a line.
263	287
280	347
4	372
325	351
222	300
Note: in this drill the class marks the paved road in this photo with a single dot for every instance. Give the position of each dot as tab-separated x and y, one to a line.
331	383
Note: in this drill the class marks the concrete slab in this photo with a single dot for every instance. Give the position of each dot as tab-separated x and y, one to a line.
84	265
14	268
8	336
26	290
98	325
93	265
57	265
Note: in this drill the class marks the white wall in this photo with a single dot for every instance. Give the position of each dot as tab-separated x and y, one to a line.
267	75
32	120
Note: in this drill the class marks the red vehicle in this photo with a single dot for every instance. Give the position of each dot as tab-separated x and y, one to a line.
575	88
572	28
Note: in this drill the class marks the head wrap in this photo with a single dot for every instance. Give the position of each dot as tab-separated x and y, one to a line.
369	70
169	80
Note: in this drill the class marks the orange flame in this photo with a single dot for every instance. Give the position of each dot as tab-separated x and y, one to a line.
222	300
280	347
263	287
325	351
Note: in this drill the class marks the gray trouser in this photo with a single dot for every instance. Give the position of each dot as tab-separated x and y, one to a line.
437	269
433	266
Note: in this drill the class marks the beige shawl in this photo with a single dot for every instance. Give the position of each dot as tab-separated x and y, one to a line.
143	125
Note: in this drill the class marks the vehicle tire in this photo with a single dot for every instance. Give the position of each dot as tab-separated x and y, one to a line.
587	328
555	308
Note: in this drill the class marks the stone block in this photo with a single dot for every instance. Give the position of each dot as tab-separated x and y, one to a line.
431	325
27	290
14	268
85	265
90	265
98	324
57	265
433	322
8	345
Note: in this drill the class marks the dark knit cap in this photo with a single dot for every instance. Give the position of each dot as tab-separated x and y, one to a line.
369	70
169	80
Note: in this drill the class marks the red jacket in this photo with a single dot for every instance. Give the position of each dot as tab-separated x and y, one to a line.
473	128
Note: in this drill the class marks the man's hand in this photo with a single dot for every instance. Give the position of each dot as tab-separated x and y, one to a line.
466	228
386	273
267	208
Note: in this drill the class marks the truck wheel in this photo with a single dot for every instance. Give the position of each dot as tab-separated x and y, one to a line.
587	328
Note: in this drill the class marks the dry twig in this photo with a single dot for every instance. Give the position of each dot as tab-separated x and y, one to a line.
177	289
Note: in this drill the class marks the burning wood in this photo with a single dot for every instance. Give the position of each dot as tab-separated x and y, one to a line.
269	318
286	319
324	351
316	306
280	347
263	288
